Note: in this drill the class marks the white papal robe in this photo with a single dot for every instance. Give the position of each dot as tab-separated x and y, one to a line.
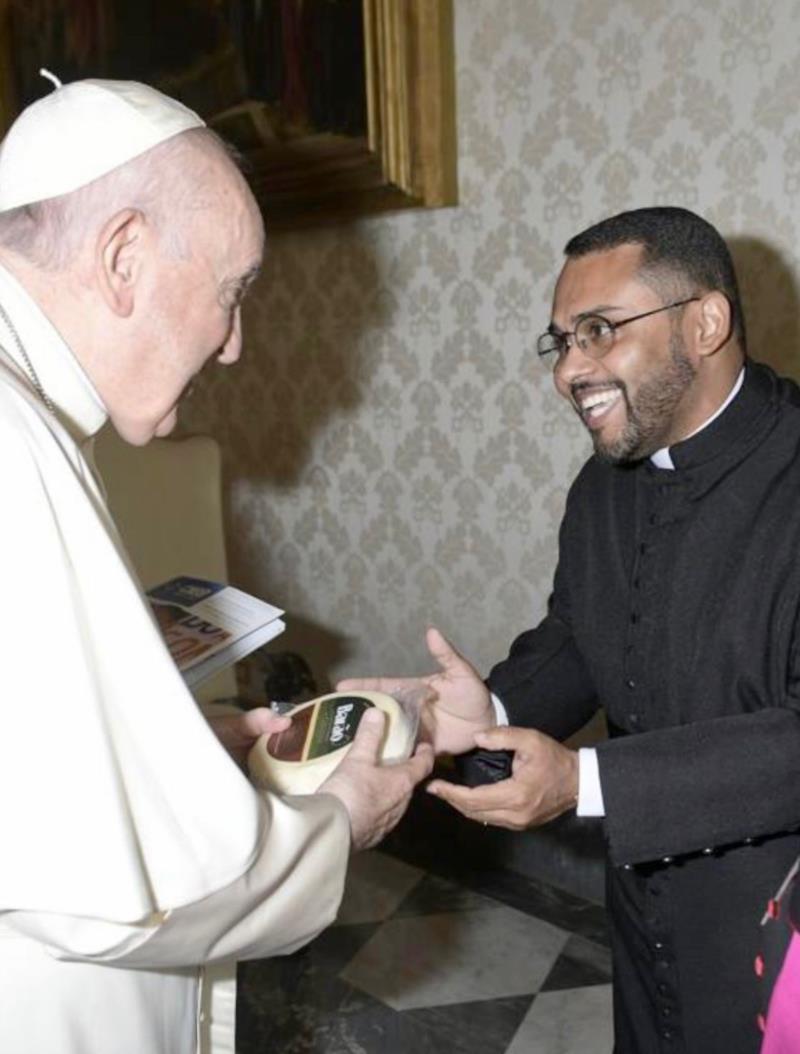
134	851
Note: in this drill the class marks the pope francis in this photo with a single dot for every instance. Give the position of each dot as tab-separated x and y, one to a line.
136	855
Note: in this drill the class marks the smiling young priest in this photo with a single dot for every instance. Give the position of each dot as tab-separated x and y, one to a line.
676	608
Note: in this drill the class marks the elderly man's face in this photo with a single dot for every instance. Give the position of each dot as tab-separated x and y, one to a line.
191	311
641	395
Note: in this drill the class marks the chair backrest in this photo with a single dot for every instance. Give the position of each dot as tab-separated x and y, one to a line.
166	499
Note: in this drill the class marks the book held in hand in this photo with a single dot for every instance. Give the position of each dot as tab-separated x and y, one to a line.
208	626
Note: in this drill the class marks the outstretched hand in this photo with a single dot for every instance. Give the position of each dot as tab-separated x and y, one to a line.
375	795
457	706
543	782
239	732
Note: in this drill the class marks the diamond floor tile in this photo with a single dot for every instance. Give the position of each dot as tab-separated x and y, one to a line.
571	1021
458	957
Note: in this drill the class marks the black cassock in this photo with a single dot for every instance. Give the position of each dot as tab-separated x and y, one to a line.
675	607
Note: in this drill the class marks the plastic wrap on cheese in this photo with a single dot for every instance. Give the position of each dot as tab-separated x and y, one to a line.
299	759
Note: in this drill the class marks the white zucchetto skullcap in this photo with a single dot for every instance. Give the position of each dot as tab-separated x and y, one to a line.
80	132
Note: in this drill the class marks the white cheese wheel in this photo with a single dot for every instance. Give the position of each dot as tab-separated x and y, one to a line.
298	760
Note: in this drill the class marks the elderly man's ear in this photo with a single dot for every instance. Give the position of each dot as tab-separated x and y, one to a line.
119	259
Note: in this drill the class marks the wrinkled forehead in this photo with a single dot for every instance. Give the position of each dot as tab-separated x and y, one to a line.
598	280
230	225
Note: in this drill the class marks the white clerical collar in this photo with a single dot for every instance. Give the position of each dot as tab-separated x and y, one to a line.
77	403
662	458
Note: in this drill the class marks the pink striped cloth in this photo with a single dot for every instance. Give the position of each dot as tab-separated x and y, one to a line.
782	1031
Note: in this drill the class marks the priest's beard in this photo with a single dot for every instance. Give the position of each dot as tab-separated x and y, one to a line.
649	414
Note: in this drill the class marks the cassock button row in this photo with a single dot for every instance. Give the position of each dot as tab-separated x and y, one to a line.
666	859
630	683
667	1034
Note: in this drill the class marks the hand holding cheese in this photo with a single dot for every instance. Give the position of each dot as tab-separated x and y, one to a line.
298	759
352	745
239	732
458	702
375	795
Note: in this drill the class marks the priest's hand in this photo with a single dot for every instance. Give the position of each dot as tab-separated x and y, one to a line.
457	702
543	782
238	732
375	795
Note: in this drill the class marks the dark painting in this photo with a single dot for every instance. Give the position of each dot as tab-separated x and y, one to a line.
258	70
285	81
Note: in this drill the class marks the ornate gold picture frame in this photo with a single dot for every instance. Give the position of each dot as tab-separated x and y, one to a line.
404	157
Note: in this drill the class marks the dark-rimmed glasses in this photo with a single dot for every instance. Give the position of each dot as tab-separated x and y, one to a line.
593	334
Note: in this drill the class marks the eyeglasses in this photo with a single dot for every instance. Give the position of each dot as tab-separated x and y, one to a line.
593	334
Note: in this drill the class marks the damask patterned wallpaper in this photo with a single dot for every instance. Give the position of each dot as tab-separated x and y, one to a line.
395	454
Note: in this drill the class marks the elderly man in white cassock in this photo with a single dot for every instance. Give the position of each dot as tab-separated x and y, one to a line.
135	851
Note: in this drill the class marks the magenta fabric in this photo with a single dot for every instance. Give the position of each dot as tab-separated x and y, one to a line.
782	1032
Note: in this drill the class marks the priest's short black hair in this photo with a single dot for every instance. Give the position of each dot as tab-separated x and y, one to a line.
677	246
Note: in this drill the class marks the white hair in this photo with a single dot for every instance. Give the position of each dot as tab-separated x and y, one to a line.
162	183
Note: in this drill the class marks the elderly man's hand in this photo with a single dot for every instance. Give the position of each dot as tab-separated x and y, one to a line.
238	732
375	795
458	703
543	784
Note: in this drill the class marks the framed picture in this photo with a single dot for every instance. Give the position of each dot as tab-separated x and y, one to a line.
339	108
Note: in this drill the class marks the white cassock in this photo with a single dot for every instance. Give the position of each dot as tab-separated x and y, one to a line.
133	849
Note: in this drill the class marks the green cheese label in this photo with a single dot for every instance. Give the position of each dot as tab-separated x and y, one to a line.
336	724
321	729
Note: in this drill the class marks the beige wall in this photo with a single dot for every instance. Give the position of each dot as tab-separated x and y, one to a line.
395	453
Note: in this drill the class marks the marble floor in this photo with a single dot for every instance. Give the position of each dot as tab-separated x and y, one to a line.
421	962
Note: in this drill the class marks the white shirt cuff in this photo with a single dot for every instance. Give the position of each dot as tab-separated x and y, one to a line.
590	793
499	712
